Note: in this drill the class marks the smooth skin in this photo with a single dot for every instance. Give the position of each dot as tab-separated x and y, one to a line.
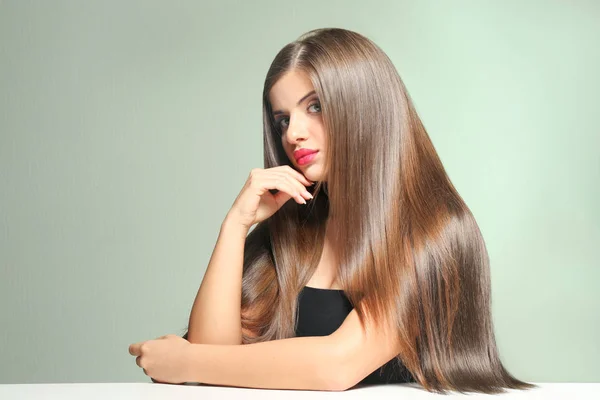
300	121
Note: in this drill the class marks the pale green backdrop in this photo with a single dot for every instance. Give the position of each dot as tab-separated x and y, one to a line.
127	129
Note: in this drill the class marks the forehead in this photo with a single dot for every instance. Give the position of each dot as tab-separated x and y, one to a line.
289	88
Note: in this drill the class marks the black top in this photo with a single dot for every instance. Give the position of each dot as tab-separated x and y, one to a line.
322	311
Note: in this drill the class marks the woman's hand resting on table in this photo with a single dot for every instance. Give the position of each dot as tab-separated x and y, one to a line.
166	359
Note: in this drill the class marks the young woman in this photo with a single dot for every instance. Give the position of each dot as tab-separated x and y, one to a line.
376	273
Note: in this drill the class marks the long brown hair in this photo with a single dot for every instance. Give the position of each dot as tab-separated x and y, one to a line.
409	248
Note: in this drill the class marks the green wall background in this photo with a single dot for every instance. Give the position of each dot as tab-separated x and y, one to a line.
127	129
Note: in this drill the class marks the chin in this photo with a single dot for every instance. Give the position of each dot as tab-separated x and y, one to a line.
313	173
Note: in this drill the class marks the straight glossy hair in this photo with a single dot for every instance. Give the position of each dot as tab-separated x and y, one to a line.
409	248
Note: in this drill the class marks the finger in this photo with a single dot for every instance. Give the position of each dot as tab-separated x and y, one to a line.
283	184
300	188
296	174
135	349
281	198
138	361
280	183
297	185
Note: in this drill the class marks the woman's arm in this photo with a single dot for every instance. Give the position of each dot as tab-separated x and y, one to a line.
304	363
335	362
216	314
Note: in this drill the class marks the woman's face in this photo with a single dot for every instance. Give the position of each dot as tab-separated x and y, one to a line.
297	115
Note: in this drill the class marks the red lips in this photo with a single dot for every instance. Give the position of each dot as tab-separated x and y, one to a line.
303	152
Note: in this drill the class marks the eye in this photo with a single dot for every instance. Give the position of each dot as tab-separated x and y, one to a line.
316	104
280	125
279	122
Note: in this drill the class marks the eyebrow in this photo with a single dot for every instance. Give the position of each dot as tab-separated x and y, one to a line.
298	103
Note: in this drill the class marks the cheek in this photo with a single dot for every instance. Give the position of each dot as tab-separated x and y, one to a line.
323	139
289	154
320	133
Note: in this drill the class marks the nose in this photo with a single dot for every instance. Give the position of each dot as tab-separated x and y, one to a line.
297	129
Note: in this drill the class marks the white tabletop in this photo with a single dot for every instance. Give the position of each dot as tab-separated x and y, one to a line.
155	391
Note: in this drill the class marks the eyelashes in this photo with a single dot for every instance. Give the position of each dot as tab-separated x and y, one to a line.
278	122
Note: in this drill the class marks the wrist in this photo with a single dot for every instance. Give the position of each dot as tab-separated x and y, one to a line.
231	221
192	363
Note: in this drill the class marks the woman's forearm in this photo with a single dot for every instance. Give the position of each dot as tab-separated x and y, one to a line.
303	363
216	313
